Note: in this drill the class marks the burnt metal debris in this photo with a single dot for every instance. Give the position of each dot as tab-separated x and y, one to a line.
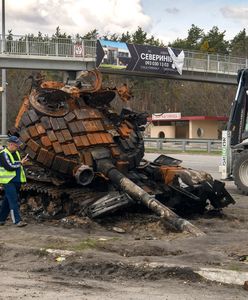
88	160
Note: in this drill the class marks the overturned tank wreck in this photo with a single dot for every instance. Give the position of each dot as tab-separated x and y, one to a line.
86	159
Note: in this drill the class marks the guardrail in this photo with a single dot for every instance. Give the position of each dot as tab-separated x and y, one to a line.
76	48
183	144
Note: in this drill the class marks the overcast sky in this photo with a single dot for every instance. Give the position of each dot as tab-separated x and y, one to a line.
166	20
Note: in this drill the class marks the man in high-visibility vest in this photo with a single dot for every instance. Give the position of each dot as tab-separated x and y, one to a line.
11	176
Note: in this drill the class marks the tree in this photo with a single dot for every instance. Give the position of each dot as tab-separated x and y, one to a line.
10	35
139	36
58	34
91	35
239	44
179	43
126	37
193	40
216	41
153	42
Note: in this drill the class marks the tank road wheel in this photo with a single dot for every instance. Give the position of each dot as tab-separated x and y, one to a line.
240	171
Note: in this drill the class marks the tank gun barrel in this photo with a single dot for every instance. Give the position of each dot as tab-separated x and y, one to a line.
84	175
138	194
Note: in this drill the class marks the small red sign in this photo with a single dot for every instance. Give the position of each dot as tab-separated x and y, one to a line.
78	50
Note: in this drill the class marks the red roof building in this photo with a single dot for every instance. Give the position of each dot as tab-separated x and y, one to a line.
173	125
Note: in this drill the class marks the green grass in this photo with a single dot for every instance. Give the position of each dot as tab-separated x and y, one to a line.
86	244
112	66
81	245
234	267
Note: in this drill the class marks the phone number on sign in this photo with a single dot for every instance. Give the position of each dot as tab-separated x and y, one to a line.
156	63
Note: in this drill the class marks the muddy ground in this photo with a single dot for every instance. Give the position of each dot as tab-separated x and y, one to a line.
129	256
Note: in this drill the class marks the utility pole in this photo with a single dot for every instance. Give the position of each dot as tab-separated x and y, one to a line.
4	106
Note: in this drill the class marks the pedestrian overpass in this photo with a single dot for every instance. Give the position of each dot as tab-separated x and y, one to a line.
77	54
73	55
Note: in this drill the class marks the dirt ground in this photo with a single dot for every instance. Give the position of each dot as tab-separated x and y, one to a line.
132	256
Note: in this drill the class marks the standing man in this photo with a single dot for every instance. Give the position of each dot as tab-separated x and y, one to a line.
11	176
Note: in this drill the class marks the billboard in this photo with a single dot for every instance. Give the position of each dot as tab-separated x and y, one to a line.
140	58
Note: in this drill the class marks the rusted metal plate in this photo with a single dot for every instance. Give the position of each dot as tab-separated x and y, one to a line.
64	166
33	115
30	152
91	126
88	158
115	151
51	135
80	126
85	140
40	129
78	142
66	149
57	147
33	145
69	117
54	123
73	128
26	119
45	121
49	159
73	149
45	141
124	130
41	158
91	139
109	137
60	164
61	123
60	136
33	131
24	135
66	134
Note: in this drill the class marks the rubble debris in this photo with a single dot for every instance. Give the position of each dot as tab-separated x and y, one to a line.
118	229
87	160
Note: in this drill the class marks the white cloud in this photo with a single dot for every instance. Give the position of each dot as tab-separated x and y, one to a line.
75	16
238	13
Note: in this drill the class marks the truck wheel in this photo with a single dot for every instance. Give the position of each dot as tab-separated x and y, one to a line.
240	172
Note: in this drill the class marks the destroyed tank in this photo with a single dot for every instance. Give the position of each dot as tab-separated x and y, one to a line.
87	159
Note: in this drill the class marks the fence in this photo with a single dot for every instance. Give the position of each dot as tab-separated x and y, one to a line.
49	46
183	144
213	63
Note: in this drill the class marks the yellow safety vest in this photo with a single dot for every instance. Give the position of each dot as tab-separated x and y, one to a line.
6	176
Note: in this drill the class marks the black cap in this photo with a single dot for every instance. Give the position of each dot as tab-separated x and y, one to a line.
14	139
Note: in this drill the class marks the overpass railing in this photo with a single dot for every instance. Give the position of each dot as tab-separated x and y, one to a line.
213	63
208	145
76	48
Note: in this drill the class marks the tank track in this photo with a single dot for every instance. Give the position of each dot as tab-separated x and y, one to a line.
45	201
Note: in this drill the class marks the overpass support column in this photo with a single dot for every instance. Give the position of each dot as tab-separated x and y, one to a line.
4	110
